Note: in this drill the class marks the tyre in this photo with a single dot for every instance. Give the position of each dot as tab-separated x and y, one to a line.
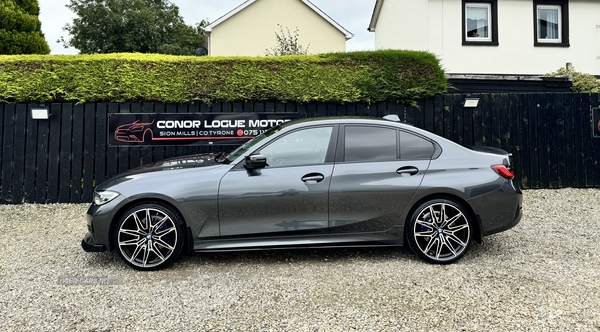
440	231
149	236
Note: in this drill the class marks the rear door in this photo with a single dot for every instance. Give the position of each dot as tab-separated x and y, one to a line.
378	170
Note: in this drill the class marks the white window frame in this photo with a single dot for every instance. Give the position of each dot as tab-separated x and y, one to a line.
490	25
560	27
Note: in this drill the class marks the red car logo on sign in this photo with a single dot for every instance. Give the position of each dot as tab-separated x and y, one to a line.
136	132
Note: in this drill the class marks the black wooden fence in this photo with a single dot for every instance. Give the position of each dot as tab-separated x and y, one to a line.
63	158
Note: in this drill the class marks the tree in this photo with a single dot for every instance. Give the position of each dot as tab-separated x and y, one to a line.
144	26
20	28
287	45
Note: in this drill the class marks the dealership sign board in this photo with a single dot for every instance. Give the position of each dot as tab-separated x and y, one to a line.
143	129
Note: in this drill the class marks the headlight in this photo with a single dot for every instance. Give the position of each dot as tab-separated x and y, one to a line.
103	197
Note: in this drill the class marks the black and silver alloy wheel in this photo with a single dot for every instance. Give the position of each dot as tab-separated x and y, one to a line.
149	236
440	231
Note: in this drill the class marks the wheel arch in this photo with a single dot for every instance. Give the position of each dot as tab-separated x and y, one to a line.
148	130
478	229
145	200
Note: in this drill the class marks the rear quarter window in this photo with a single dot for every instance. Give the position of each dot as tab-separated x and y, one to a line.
415	147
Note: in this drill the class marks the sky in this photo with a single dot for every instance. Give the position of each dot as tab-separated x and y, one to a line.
354	15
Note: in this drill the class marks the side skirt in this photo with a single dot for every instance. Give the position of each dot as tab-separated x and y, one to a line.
324	241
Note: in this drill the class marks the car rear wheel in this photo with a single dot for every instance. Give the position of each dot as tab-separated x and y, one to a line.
149	236
440	231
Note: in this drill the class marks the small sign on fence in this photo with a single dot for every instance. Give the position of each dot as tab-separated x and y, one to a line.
143	129
596	122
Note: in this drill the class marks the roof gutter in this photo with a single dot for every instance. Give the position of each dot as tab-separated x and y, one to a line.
375	16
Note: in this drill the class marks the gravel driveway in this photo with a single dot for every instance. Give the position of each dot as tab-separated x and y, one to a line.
543	275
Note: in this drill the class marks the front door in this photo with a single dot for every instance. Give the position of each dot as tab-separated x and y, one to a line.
290	196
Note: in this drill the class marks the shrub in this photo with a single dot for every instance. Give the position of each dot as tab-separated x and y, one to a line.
581	82
287	45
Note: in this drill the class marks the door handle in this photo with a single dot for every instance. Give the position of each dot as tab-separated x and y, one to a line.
408	170
313	178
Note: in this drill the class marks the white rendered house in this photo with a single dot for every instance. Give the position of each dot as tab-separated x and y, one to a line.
523	37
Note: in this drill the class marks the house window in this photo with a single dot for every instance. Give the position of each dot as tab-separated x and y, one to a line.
551	19
480	23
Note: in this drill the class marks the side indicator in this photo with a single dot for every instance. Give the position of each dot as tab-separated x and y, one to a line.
503	172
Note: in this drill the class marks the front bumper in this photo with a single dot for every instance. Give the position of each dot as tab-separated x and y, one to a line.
89	247
99	218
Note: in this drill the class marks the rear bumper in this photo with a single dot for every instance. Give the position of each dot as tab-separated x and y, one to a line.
499	210
508	225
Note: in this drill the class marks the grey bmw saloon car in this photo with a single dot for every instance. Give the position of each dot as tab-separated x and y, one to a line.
311	183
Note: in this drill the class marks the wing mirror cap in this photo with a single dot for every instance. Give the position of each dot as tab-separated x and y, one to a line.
256	161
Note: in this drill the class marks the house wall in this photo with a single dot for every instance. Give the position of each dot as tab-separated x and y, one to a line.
251	31
438	28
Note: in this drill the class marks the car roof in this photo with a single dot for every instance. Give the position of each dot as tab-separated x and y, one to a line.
357	120
346	119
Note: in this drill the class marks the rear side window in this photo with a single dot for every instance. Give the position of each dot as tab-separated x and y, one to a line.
370	144
415	147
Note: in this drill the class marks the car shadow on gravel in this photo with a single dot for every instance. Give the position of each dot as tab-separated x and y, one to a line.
328	255
491	248
266	257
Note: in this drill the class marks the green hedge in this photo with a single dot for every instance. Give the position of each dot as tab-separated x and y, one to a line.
337	77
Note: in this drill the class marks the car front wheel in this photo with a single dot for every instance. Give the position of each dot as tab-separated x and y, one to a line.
440	231
149	236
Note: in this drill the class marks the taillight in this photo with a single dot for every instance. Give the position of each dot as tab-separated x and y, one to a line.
503	172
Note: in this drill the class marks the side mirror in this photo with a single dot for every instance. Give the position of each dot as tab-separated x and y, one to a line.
256	161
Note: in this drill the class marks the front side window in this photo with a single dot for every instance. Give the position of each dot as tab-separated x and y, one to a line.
551	23
480	22
302	147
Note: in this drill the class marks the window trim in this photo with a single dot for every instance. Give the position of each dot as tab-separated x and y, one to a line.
493	24
488	7
563	6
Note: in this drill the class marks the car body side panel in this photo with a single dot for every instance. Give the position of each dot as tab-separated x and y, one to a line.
274	200
464	172
371	197
192	191
468	175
